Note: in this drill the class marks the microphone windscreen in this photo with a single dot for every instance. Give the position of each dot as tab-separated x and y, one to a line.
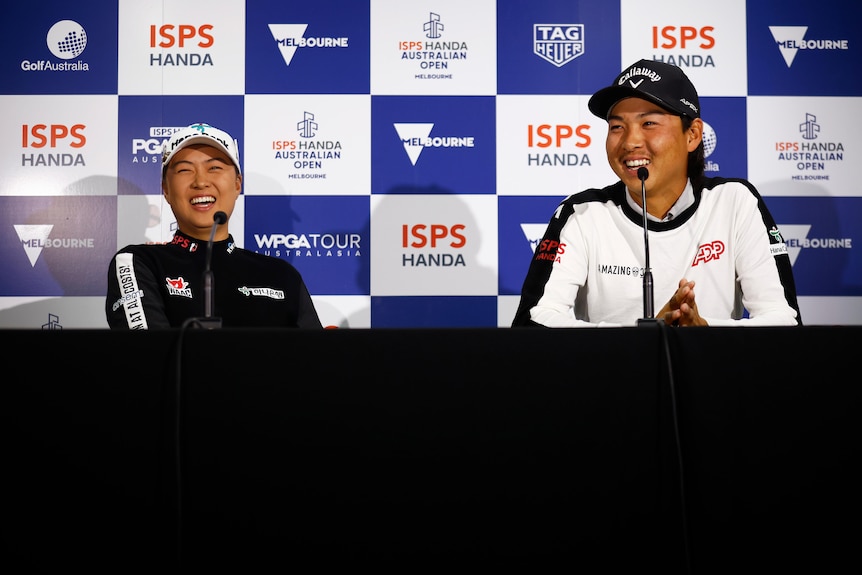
643	173
220	217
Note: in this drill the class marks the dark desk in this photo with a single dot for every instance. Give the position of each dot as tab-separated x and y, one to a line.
452	448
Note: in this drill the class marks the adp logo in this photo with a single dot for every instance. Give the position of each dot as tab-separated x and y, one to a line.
558	44
66	40
184	37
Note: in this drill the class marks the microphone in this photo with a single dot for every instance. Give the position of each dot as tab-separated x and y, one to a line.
208	321
648	318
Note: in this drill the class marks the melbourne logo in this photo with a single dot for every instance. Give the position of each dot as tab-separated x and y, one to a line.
66	40
559	44
35	238
290	37
796	238
416	137
791	39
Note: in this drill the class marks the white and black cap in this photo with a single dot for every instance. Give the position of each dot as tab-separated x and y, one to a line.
661	83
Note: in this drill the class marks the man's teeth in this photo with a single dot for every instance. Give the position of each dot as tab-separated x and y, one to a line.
637	163
208	200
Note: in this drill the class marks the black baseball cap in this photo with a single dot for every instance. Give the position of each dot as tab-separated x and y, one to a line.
658	82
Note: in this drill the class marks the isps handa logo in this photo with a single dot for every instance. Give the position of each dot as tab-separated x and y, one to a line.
66	41
433	245
181	45
53	145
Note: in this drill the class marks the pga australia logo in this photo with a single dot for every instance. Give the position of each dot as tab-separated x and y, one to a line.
559	44
66	40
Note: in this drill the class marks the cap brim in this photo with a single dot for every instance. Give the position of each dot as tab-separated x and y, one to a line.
200	140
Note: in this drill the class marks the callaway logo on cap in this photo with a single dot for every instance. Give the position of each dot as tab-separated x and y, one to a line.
200	134
663	84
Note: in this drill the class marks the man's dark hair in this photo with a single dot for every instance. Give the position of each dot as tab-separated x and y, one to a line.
696	159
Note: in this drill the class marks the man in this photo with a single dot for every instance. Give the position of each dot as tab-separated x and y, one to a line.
717	255
162	286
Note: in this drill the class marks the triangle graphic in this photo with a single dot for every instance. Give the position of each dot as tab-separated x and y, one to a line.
412	138
33	238
534	234
782	34
797	232
282	32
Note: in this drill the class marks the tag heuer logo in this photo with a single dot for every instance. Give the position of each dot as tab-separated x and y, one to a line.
559	44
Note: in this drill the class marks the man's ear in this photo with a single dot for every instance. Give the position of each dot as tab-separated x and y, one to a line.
695	134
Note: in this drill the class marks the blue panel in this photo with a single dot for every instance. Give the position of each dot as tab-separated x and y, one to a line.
326	238
457	155
434	311
331	56
78	42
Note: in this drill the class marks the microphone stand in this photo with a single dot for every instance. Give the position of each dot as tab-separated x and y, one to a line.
208	321
648	318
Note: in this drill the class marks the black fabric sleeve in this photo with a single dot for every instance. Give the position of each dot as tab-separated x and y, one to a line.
306	316
134	287
782	261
